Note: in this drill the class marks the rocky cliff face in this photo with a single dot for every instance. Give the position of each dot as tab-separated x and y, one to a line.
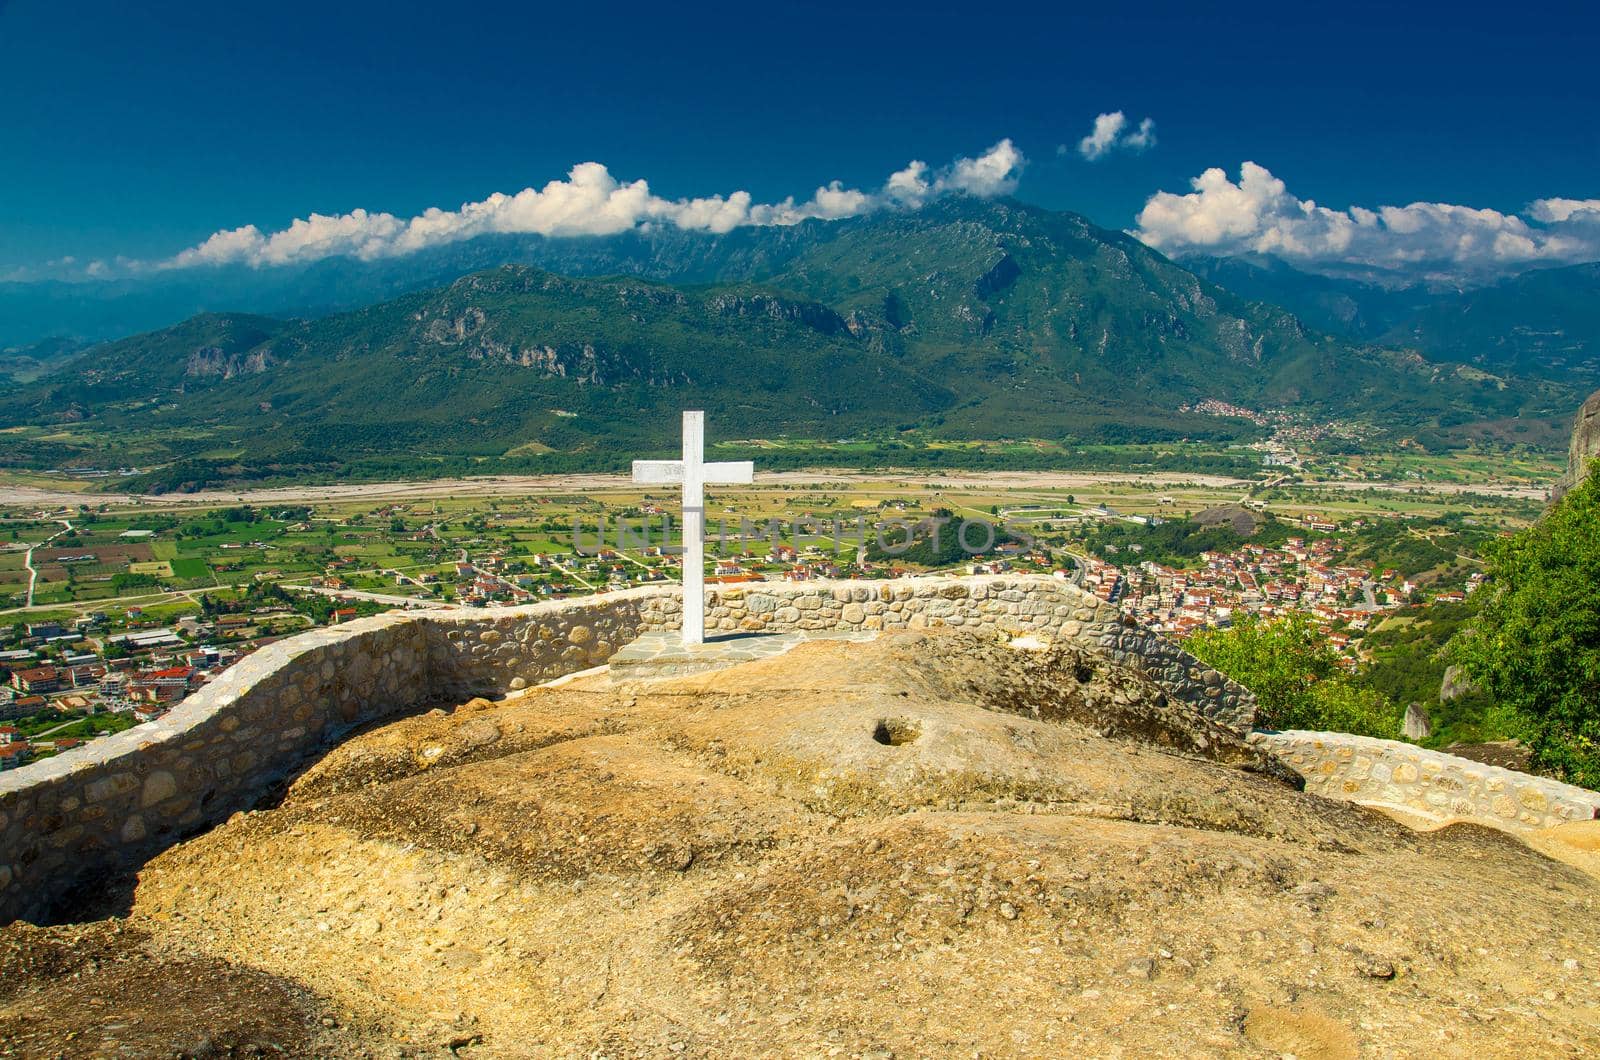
1585	447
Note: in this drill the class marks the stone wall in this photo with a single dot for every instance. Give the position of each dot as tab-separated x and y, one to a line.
1429	784
121	799
1019	605
497	650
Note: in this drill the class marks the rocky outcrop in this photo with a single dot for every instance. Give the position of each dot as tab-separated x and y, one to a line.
215	362
1455	684
1585	447
1000	276
928	844
813	315
1416	725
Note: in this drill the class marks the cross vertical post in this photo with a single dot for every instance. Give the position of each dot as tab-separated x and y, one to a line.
694	528
693	473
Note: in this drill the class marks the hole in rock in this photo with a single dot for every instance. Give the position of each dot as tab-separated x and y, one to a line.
1084	674
892	732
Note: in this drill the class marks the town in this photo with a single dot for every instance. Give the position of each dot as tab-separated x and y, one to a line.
1301	576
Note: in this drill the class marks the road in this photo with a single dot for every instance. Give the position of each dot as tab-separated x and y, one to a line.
27	560
574	575
52	731
424	586
357	594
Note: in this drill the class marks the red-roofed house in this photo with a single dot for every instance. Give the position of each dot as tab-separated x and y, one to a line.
38	680
163	686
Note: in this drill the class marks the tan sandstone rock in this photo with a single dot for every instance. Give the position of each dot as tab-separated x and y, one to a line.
932	844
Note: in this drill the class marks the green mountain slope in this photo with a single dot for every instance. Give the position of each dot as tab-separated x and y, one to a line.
1545	322
1542	324
1348	308
968	319
1052	306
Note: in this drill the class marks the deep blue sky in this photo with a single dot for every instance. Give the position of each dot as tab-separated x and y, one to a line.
139	129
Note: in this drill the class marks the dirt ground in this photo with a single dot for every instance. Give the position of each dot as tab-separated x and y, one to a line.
925	846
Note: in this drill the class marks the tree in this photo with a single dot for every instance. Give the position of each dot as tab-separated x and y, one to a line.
1295	675
1535	647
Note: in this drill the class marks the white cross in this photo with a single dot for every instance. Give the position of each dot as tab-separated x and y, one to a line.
695	474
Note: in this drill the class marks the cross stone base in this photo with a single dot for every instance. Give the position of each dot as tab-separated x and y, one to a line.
663	654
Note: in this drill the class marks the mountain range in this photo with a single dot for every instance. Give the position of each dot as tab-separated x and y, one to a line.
967	319
1544	323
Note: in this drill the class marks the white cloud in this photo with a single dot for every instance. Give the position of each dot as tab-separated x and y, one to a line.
1560	210
992	173
909	187
591	202
1425	240
1110	132
1107	127
1143	138
358	233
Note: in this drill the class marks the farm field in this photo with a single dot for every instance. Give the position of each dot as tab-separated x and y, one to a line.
171	550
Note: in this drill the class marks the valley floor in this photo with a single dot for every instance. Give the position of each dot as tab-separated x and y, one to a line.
32	495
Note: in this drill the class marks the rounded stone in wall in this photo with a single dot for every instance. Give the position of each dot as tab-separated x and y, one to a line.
159	786
110	787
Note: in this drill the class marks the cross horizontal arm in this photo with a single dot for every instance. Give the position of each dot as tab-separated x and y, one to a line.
658	472
726	473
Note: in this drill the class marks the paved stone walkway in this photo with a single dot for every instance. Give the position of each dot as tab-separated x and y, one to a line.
663	654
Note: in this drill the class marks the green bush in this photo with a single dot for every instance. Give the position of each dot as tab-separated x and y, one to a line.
1296	677
1535	647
